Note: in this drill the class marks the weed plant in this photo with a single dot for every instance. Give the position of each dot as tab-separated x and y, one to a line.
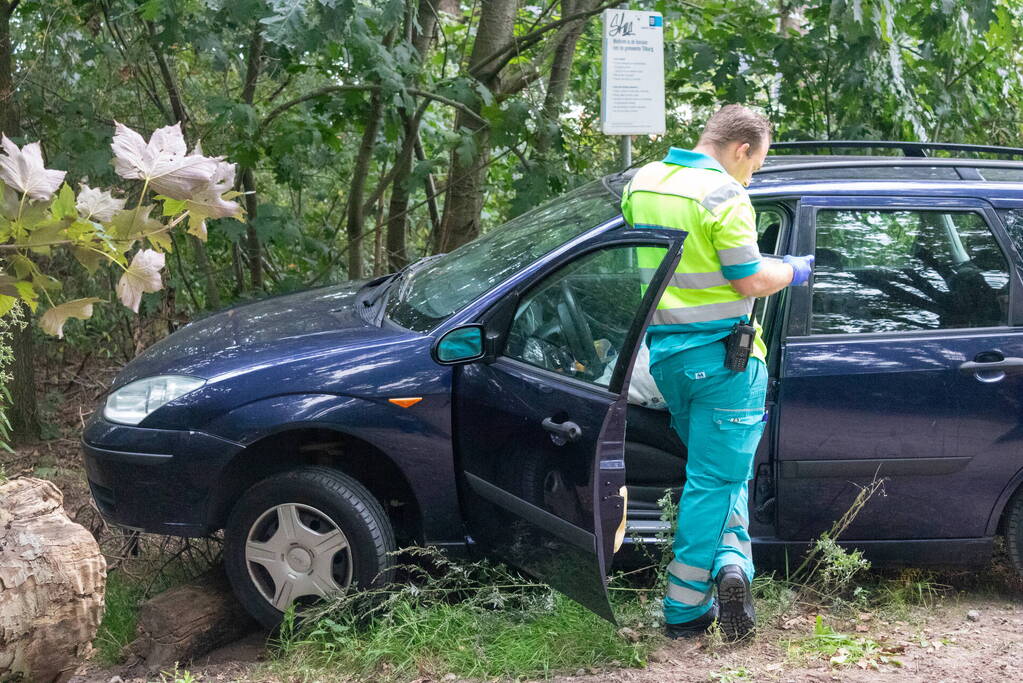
471	619
841	650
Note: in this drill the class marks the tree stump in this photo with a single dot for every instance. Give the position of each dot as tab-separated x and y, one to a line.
52	580
187	622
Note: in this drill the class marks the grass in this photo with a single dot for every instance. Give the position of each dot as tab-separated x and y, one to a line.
117	628
471	620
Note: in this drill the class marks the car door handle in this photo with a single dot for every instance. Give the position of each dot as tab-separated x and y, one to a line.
998	369
563	432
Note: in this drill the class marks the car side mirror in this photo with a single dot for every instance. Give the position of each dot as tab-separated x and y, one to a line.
460	345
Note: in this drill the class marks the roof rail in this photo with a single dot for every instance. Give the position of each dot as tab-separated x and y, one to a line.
910	149
854	162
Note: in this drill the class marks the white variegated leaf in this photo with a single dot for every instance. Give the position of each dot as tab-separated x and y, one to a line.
163	161
97	205
143	275
23	170
53	320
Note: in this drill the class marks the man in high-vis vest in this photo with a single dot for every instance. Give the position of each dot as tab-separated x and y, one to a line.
717	411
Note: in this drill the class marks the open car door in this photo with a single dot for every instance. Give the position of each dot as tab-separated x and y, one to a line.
540	424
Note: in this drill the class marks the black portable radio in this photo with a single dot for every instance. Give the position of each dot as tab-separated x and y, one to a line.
739	346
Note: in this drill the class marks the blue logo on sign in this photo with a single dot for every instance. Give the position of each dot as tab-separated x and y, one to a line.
655	21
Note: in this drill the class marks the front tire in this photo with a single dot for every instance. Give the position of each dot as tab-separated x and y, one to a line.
302	535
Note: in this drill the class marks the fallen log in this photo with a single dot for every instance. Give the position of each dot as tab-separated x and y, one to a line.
187	622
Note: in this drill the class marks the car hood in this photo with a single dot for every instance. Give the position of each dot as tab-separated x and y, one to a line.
272	330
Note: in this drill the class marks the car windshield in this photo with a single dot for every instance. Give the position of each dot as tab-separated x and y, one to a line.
428	295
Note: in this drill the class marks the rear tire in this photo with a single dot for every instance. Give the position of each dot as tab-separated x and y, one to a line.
302	535
1014	530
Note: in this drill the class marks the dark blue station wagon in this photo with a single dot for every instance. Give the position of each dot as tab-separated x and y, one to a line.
482	398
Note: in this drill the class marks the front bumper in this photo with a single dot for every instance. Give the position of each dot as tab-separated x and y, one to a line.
154	480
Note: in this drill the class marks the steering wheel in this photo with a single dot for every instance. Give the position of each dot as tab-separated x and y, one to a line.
577	330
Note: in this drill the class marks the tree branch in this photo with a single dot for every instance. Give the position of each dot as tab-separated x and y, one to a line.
505	54
969	68
330	89
176	102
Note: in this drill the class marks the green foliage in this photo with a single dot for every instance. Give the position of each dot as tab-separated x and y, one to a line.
177	675
841	650
729	675
8	323
40	213
473	620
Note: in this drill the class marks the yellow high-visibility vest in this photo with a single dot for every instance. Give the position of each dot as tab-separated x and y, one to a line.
721	244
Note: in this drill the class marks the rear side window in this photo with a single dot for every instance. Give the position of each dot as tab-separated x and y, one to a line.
1014	226
893	271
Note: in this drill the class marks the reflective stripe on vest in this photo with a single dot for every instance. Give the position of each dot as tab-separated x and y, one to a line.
684	315
698	291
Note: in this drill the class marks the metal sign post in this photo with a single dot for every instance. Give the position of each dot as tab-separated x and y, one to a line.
632	77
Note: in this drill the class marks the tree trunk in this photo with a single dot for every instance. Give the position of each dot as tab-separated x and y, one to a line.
52	580
467	174
24	413
420	31
253	249
561	71
356	210
449	7
430	187
202	258
10	123
180	114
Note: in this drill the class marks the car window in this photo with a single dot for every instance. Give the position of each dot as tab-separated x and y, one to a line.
769	223
1014	226
434	292
889	271
575	321
1003	175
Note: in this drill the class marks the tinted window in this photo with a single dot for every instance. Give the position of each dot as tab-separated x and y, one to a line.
885	271
1014	226
432	293
1005	175
858	173
575	321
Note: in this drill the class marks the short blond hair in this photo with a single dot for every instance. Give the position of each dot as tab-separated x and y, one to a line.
736	123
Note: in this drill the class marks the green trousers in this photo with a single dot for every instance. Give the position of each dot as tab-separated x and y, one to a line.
719	415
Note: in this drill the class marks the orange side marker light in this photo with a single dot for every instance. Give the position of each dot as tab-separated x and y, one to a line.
405	402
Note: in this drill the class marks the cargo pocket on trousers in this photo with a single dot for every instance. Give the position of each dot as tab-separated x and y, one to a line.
738	433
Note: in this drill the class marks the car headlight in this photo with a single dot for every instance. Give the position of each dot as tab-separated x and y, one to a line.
133	402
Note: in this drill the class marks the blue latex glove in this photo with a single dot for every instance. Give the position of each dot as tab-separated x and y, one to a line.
801	268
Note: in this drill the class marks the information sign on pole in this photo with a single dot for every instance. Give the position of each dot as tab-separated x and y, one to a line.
632	78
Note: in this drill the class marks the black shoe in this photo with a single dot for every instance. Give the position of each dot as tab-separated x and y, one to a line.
695	627
735	602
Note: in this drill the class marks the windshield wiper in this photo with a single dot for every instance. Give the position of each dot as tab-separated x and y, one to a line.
384	285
